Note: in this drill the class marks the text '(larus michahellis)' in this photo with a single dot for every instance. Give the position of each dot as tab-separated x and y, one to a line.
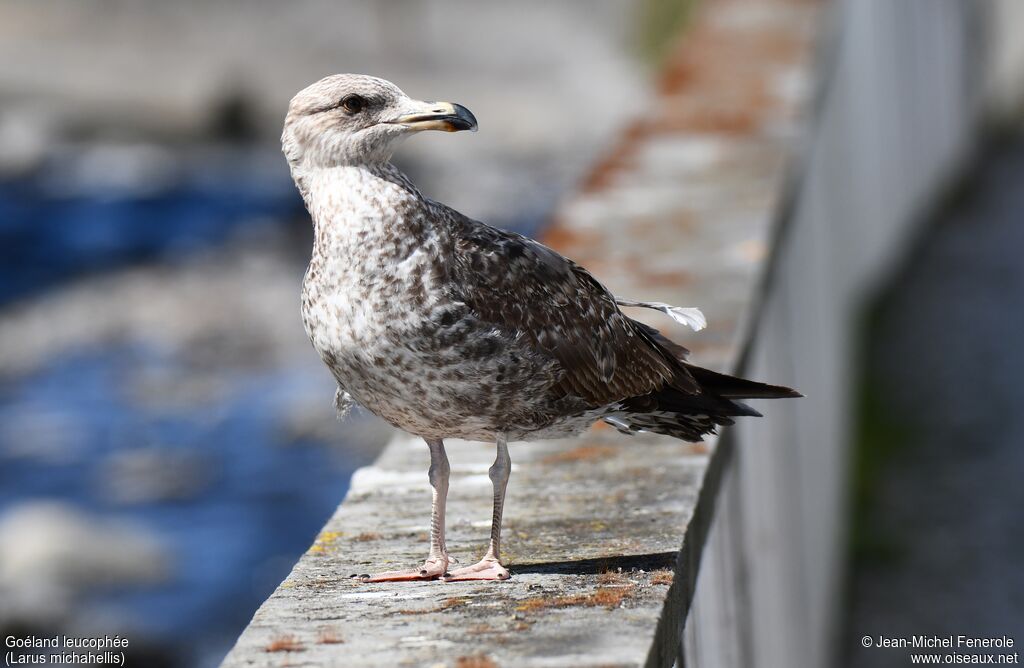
448	328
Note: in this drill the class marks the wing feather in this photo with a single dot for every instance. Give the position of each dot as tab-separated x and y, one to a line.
529	291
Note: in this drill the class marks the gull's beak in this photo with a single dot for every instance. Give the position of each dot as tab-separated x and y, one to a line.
437	116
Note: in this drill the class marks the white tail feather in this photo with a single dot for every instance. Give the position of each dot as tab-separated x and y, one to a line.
689	316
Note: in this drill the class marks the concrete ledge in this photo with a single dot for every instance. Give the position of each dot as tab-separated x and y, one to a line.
599	531
592	531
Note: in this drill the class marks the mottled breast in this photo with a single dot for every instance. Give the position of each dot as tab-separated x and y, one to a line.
377	307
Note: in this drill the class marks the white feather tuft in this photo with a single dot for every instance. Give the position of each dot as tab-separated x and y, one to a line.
684	315
689	316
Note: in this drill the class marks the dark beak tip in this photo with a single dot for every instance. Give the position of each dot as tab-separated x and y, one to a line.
464	119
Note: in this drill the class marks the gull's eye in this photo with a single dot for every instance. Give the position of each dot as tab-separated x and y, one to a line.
353	104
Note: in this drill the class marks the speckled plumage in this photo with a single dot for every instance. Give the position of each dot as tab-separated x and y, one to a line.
446	327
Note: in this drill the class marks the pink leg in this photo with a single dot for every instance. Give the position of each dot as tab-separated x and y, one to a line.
490	568
437	562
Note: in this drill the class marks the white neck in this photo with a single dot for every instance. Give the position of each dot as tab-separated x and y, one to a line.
354	206
353	188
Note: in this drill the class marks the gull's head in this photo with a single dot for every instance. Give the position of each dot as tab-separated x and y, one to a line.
354	119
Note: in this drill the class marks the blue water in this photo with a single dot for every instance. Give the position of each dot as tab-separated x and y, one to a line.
57	224
259	501
259	506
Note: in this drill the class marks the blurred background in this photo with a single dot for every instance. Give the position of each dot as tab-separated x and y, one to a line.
167	441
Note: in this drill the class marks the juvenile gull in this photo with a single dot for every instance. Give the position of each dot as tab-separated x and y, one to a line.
448	328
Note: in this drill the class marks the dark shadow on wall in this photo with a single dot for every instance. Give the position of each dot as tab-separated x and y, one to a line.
939	458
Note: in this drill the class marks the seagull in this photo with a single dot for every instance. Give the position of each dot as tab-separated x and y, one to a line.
448	328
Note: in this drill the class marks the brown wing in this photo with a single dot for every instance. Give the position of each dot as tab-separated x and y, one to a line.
529	291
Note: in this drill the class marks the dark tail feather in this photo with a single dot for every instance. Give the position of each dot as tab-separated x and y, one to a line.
732	387
673	412
670	400
717	383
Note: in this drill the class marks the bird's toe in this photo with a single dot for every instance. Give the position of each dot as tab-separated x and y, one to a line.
431	569
486	569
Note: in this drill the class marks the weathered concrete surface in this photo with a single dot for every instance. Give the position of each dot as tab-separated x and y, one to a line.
680	211
577	513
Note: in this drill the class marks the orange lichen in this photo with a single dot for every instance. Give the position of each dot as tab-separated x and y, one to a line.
612	578
565	239
367	536
663	576
477	661
608	597
329	637
284	644
618	159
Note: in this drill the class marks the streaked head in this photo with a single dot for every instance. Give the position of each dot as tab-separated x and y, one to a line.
357	119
